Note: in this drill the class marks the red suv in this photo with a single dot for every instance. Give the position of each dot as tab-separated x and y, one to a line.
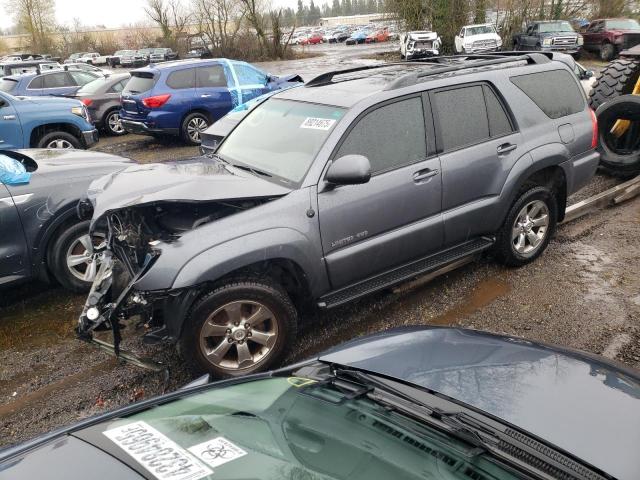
609	36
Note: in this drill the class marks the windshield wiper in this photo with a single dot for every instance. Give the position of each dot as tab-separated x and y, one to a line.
255	171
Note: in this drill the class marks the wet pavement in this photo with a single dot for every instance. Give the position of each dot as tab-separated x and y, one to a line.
584	292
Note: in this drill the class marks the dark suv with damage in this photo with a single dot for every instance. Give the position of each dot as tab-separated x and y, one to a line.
359	180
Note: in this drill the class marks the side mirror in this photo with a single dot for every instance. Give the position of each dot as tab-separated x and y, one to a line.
588	73
349	170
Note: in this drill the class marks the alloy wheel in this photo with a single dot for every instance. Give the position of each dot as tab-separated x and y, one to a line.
114	123
60	143
530	227
195	127
82	259
238	335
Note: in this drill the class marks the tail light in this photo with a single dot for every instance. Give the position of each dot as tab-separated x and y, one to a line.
594	129
87	102
157	101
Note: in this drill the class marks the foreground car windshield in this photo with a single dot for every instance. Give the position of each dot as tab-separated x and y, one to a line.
274	429
281	137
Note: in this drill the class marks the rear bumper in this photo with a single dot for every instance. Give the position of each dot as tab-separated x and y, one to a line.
90	137
583	167
141	128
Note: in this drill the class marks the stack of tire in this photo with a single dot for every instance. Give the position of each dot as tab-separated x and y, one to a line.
615	97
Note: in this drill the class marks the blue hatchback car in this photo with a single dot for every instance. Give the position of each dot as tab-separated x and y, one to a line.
52	82
183	98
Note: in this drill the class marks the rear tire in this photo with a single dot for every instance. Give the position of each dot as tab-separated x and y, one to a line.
112	125
526	232
220	337
617	78
58	140
607	52
192	126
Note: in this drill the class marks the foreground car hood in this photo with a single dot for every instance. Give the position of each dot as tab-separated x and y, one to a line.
580	403
73	163
198	180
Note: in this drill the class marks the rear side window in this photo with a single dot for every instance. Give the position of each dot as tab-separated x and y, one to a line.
182	79
499	123
211	76
390	136
555	92
7	85
57	80
37	82
140	82
462	116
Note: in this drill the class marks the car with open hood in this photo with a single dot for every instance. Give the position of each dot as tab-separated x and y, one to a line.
327	192
42	236
414	403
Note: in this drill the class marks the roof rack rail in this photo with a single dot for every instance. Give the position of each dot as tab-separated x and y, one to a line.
327	78
486	61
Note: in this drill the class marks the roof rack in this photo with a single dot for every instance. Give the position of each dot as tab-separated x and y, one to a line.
482	60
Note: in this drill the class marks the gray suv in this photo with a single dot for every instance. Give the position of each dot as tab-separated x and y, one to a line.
322	194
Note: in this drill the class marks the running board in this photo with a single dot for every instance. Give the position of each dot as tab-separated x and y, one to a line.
406	272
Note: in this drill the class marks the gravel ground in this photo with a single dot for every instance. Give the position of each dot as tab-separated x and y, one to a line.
49	379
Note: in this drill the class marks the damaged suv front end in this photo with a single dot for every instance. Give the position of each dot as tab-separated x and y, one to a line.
144	210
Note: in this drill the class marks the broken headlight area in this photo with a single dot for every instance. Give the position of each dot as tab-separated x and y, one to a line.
134	240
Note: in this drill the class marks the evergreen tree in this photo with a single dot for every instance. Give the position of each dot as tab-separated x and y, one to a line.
336	9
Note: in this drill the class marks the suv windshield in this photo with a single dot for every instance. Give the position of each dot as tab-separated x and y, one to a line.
281	137
555	27
272	428
626	24
481	29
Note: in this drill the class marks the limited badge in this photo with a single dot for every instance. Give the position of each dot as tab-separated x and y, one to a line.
160	455
217	451
318	123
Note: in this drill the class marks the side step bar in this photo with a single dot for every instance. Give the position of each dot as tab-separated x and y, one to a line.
406	272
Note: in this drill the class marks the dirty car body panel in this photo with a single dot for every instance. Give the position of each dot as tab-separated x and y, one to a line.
450	403
187	228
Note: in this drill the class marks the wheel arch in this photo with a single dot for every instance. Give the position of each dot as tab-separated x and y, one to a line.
38	132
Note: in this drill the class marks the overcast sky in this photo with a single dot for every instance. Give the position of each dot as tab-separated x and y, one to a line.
111	13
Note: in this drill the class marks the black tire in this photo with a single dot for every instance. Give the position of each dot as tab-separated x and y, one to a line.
617	78
516	46
108	126
620	157
607	52
261	291
504	249
66	239
59	137
187	123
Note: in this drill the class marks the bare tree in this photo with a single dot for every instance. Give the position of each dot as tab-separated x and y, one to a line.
158	12
36	18
219	22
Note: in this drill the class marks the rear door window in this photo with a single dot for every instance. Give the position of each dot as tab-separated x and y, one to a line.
211	76
36	83
499	123
139	82
461	117
555	92
181	79
57	80
390	136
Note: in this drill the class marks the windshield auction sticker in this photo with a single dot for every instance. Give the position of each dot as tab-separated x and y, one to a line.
217	451
318	123
162	457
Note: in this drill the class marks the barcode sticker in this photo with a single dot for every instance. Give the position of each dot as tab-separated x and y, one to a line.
318	123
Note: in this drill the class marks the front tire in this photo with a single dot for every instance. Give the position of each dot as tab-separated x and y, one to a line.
192	126
528	227
60	139
73	260
239	328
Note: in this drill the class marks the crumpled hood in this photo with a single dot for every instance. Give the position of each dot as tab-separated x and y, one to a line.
579	402
49	101
420	36
197	180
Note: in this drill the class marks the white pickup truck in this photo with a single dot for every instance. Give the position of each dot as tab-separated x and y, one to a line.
93	59
478	39
419	44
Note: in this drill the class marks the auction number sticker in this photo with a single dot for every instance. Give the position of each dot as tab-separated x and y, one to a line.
318	123
217	451
162	457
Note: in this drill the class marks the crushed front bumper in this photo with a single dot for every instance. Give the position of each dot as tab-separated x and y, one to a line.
422	53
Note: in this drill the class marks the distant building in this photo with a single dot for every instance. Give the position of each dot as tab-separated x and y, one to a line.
353	19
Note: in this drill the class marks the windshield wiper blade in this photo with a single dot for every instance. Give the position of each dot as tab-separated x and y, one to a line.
255	171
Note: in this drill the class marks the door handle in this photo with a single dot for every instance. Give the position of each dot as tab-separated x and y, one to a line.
506	148
205	95
424	174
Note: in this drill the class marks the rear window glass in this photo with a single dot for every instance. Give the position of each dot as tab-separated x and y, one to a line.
555	92
139	83
462	116
94	86
57	80
7	85
182	79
